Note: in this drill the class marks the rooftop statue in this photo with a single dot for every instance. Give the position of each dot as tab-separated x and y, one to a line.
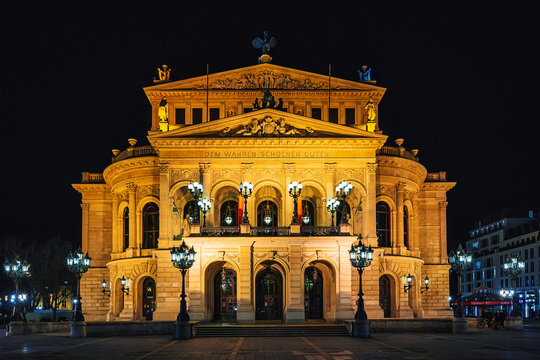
165	73
268	101
365	73
265	44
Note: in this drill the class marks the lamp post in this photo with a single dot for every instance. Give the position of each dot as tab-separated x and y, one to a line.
342	191
245	189
17	270
78	263
426	282
331	206
361	257
205	206
514	267
196	190
459	261
183	258
295	188
408	286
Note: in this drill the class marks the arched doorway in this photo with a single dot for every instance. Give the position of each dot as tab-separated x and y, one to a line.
148	298
309	217
385	300
225	295
229	213
339	211
267	213
313	293
269	295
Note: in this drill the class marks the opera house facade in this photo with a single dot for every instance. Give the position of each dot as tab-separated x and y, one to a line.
267	255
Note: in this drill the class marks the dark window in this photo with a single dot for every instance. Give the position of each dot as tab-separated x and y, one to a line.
383	225
469	277
526	254
339	211
150	220
214	114
489	262
246	110
316	113
333	115
532	280
405	226
267	212
125	235
192	211
484	242
308	213
532	253
350	116
229	213
197	116
500	259
502	283
531	267
180	115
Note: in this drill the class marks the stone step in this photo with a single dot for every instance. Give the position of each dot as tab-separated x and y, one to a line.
270	331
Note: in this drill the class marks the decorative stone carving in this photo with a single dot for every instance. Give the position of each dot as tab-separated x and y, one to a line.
204	168
226	174
131	187
289	168
267	173
443	204
386	190
149	190
371	168
177	175
400	186
163	168
267	126
329	168
350	174
247	168
271	255
266	79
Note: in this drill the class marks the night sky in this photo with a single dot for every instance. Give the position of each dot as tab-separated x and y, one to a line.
462	83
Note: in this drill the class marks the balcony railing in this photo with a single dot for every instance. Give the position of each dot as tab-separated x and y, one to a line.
319	230
132	152
92	178
396	151
220	230
270	230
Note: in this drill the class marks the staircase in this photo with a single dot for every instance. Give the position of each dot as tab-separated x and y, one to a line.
213	330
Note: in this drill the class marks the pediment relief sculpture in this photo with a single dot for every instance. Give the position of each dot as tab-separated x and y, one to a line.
267	126
266	79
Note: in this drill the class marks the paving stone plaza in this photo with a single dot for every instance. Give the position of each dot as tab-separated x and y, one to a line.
483	344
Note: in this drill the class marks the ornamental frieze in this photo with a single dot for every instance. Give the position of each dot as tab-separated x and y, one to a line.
266	79
184	174
350	174
149	190
267	126
386	190
267	173
227	174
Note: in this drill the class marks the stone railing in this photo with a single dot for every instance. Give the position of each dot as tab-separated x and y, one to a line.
132	152
220	230
396	151
92	178
319	230
270	231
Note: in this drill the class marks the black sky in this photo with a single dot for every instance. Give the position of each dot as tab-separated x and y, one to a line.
462	83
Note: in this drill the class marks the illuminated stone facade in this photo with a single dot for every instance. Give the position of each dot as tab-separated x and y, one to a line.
245	273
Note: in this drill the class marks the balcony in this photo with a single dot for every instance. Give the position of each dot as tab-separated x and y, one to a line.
271	231
132	152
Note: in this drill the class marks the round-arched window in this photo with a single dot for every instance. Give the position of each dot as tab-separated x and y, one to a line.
150	221
383	225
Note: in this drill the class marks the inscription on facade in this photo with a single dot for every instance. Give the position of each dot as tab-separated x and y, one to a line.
266	154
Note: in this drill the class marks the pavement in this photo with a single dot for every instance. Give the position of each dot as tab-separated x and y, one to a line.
485	344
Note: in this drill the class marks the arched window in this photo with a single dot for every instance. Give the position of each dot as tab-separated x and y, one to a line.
406	227
339	211
150	221
383	225
125	227
308	213
267	214
191	209
229	213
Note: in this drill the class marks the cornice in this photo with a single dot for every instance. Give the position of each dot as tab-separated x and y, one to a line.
438	186
87	188
250	93
260	141
113	169
398	162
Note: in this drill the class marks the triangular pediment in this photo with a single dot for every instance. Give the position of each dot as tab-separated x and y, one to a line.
264	76
266	123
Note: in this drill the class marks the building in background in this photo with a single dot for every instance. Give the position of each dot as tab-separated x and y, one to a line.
268	125
493	242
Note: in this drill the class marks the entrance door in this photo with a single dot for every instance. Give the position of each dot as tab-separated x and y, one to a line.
225	295
313	293
148	298
384	296
269	297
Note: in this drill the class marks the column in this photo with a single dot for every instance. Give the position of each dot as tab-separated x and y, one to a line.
415	244
442	214
164	207
246	310
329	183
399	203
155	117
132	188
369	218
85	217
295	307
116	243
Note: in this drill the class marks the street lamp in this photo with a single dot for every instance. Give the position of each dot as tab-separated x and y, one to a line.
78	263
16	270
205	206
342	191
196	190
245	189
104	288
295	188
331	205
514	267
361	257
124	285
182	258
459	261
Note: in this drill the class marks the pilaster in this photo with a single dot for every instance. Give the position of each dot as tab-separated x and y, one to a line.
164	207
369	216
400	187
132	188
245	292
443	244
344	309
168	286
295	307
115	234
